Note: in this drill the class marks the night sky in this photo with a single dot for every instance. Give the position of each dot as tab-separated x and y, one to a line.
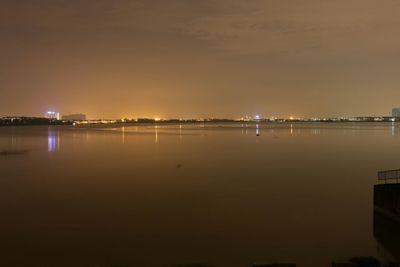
199	58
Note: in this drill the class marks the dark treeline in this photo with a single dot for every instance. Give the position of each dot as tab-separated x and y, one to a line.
16	121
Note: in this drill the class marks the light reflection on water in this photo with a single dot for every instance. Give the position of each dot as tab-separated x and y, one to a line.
393	129
123	134
298	192
52	140
257	130
156	133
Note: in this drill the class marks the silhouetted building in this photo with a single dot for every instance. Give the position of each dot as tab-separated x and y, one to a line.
74	117
145	120
396	112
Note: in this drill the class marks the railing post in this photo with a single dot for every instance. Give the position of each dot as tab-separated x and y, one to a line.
389	175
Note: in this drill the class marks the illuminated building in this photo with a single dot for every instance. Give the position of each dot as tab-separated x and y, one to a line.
52	115
396	112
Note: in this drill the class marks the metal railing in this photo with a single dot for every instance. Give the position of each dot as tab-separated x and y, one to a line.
389	175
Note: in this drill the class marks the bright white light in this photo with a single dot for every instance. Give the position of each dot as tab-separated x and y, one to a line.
52	115
257	117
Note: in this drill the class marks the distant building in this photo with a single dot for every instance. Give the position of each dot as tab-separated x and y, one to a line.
396	112
52	115
74	117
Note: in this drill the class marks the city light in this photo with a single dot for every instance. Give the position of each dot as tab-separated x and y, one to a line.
52	115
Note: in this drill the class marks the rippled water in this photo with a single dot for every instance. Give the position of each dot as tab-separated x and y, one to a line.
169	194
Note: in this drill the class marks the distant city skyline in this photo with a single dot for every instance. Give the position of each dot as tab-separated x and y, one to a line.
210	58
54	114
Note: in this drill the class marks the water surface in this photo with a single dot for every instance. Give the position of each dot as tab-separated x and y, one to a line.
157	195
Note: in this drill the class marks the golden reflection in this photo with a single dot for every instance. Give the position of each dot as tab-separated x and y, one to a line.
123	135
156	128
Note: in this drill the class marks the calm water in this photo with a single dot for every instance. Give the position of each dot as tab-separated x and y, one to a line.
169	194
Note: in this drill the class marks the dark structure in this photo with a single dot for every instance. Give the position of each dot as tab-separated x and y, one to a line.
387	216
20	121
74	117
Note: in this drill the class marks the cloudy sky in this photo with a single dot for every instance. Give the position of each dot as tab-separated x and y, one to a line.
200	58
